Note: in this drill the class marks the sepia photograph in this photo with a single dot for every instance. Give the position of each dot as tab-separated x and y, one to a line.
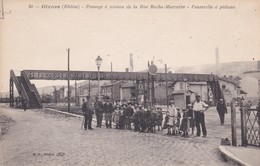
130	82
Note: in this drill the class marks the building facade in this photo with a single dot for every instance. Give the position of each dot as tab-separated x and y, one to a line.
119	90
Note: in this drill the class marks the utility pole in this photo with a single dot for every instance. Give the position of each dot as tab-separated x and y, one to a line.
3	16
112	84
233	123
137	91
153	93
243	123
144	92
166	78
148	86
68	80
89	87
76	101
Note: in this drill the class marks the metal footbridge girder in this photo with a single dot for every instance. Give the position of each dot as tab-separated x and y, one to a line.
27	75
93	75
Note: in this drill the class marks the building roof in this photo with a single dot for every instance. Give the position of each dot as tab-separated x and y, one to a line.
176	92
228	80
242	92
128	85
124	84
109	84
197	83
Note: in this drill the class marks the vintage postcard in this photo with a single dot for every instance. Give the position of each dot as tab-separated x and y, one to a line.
129	82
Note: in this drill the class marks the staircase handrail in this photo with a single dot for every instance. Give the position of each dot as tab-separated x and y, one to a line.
37	94
24	94
18	85
32	87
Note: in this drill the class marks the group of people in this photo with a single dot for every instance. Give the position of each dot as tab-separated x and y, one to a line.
125	116
180	121
131	116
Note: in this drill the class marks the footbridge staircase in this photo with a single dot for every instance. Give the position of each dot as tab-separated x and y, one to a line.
26	90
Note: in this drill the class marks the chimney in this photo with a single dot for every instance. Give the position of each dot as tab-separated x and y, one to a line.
258	65
131	63
126	70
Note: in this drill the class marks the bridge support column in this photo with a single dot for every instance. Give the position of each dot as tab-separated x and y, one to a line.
152	92
144	91
137	91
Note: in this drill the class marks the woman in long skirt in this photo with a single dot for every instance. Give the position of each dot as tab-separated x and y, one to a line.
116	116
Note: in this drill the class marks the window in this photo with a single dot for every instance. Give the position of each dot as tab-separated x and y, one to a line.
181	85
223	86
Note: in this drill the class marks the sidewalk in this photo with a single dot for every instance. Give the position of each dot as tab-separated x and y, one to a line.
41	137
244	156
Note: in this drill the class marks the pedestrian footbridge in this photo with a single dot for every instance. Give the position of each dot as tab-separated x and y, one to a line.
29	92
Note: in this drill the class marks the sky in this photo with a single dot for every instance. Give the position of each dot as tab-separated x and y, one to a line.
38	38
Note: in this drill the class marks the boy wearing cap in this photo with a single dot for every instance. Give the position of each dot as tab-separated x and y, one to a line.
199	108
191	118
159	118
185	123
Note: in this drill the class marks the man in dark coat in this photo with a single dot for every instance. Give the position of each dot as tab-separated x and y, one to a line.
221	108
152	117
24	104
135	118
143	118
108	110
129	114
98	106
88	111
122	120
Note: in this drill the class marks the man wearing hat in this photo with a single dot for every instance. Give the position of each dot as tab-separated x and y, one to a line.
108	110
199	108
129	114
221	108
87	110
98	106
123	116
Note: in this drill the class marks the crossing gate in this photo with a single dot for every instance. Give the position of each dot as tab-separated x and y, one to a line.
251	133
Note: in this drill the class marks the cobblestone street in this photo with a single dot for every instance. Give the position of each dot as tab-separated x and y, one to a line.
41	138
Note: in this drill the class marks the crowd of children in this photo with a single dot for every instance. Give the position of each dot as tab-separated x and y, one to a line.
131	116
